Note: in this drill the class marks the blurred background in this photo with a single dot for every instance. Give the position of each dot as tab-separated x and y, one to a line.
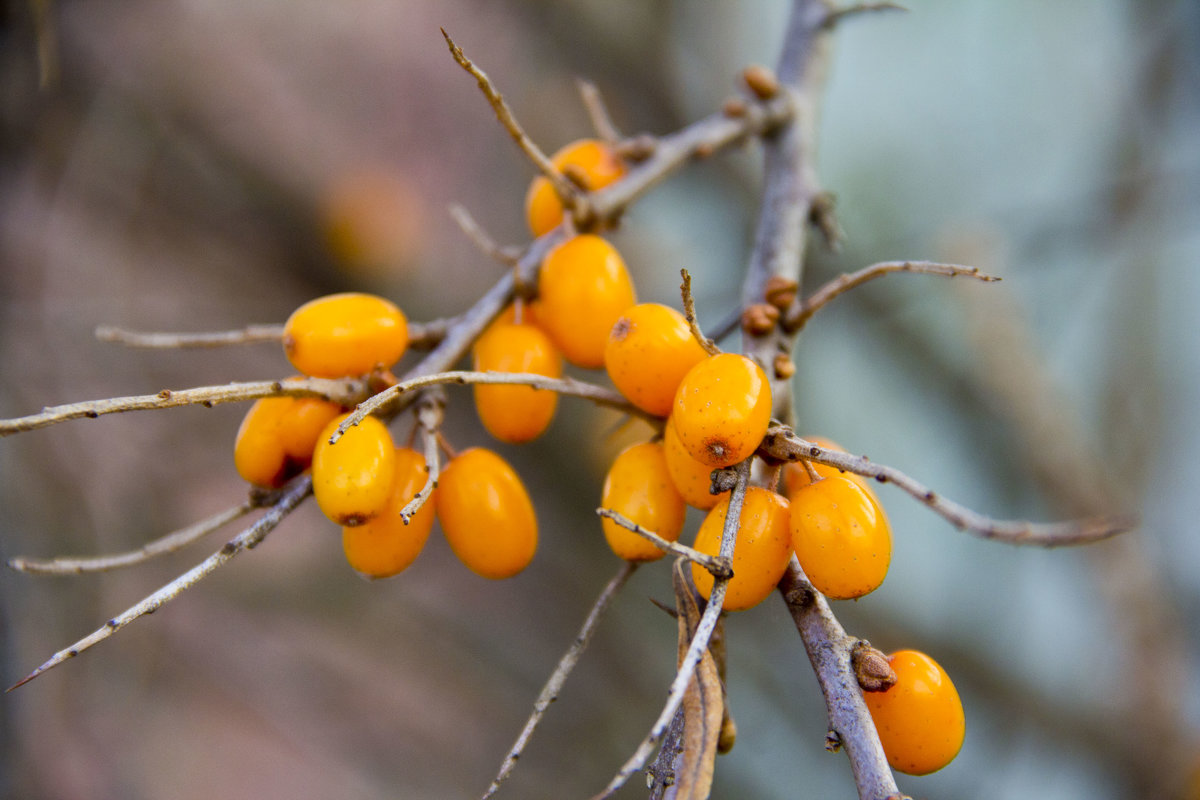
187	165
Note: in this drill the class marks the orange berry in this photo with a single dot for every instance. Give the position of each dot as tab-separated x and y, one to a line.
345	334
649	350
276	439
920	718
796	476
639	488
352	479
722	409
584	289
760	554
593	161
486	514
692	478
385	546
842	537
515	414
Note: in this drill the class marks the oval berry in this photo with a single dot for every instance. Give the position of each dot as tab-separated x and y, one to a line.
276	438
692	479
352	479
639	488
722	409
345	334
649	350
515	414
386	546
584	288
760	553
842	538
920	718
486	514
593	162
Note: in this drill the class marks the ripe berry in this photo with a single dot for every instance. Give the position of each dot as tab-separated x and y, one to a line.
276	439
795	475
352	480
760	554
920	719
649	350
486	514
592	161
345	334
692	478
639	488
722	409
842	537
584	289
385	546
515	414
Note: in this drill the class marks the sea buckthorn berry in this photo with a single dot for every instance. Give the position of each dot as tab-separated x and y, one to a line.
385	546
692	479
795	475
649	350
639	488
515	414
345	334
276	439
593	162
486	514
584	289
352	479
842	538
920	718
760	554
722	409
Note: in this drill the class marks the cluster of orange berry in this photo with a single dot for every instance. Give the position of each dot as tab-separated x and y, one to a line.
716	411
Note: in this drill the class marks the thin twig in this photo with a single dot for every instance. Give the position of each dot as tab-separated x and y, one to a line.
704	631
299	489
593	103
481	239
429	420
796	320
829	649
558	678
783	445
835	16
689	314
567	386
714	564
345	391
75	565
159	340
562	186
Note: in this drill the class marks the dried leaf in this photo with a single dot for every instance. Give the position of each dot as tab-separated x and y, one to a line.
703	703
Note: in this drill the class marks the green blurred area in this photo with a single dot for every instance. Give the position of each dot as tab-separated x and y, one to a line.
184	165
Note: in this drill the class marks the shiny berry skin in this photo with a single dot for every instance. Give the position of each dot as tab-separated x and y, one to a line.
352	480
842	538
345	334
920	719
584	288
760	554
796	476
692	479
515	414
722	408
276	439
593	161
639	488
385	546
486	514
649	350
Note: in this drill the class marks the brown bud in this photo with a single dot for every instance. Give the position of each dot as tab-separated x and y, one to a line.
780	292
761	81
727	736
871	668
783	366
734	107
760	319
639	148
703	150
